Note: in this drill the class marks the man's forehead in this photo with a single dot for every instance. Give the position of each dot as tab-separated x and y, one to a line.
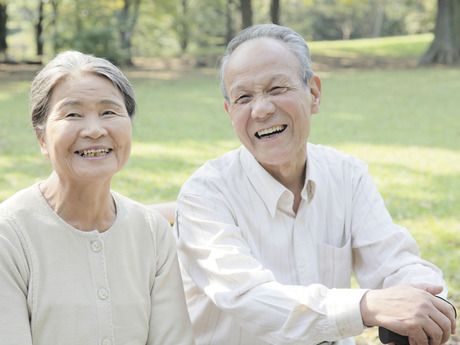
265	61
258	45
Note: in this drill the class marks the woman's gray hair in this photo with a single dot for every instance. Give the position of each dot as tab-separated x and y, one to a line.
294	42
68	63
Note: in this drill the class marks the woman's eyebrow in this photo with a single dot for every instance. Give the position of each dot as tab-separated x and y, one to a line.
108	101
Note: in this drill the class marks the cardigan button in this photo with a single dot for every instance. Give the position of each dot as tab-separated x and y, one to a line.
106	341
96	246
102	293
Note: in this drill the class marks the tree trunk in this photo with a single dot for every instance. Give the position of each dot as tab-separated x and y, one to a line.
275	11
246	13
3	28
445	48
53	22
228	22
39	29
347	28
128	19
379	16
184	27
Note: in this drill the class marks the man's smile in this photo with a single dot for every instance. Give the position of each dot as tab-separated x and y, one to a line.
268	132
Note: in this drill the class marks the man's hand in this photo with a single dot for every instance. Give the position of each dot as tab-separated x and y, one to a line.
413	311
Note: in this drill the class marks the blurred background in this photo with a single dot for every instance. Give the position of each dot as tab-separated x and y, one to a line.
122	30
390	74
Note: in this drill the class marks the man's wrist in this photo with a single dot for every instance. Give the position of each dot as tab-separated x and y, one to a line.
366	314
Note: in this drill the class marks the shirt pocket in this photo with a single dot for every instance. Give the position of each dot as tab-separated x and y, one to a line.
335	264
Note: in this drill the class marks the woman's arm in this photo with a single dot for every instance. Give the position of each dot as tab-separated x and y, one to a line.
169	319
14	281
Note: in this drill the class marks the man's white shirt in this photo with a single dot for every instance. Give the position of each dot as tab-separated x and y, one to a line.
257	273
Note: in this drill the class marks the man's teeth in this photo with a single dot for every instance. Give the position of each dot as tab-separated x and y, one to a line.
271	130
94	153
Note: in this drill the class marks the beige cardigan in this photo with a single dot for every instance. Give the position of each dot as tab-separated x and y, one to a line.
59	285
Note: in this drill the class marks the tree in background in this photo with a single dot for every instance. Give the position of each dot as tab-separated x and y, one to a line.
275	11
53	24
445	48
3	27
228	21
183	26
39	28
246	13
127	19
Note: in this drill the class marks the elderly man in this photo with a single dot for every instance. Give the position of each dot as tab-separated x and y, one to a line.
269	234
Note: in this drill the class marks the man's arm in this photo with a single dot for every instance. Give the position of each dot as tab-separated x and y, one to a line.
387	260
216	256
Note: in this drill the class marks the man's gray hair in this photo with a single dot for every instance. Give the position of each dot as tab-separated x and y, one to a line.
294	42
68	63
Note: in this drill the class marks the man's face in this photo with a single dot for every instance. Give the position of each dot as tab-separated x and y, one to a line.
268	103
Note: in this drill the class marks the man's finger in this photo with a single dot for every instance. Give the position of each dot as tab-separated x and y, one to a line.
430	288
448	310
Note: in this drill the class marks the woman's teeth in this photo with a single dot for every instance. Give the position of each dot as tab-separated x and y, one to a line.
94	153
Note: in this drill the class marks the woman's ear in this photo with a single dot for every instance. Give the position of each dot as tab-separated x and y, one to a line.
40	133
315	89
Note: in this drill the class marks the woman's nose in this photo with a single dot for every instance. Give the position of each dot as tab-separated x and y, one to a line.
93	128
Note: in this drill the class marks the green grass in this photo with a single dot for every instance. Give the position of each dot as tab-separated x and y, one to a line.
405	123
386	47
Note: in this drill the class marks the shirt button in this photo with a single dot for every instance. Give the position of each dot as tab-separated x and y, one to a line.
106	341
96	246
103	294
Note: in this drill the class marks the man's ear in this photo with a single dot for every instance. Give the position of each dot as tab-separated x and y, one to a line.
40	133
315	89
226	107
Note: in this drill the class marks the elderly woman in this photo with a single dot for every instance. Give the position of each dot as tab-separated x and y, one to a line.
79	263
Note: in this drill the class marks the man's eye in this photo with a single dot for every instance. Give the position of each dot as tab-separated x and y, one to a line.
108	112
243	99
277	90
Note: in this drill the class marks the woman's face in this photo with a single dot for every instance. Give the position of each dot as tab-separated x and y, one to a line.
87	134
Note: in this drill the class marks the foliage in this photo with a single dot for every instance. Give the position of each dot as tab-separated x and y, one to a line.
162	28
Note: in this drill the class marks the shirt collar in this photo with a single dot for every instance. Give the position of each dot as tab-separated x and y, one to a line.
267	187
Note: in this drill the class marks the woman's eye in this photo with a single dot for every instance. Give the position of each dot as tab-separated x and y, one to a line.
71	115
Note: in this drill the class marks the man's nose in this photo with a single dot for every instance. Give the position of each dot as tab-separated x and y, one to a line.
93	127
262	107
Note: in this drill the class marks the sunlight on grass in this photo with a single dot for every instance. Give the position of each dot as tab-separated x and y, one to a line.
396	46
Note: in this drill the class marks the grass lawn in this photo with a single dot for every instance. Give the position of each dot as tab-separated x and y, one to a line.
405	123
386	47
